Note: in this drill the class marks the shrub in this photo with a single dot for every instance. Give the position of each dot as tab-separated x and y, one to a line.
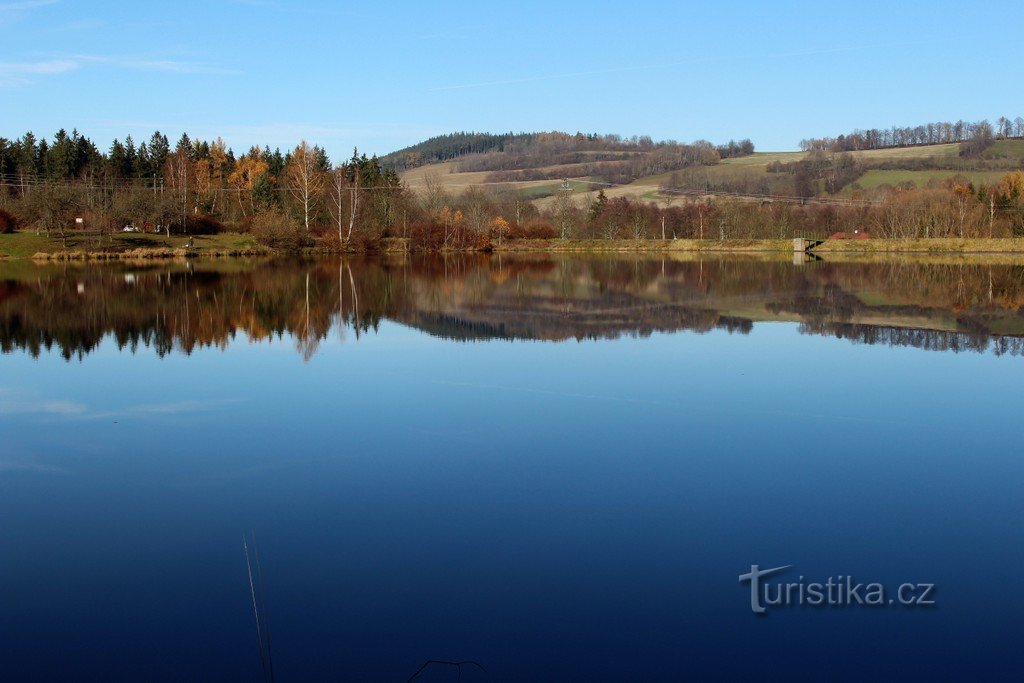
278	230
8	223
204	225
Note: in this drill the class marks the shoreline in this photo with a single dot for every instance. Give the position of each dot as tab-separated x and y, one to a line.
235	245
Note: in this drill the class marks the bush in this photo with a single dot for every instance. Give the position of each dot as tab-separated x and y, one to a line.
8	223
204	225
538	229
278	230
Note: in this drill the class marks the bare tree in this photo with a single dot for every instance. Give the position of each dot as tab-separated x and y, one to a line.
305	179
338	185
178	171
354	204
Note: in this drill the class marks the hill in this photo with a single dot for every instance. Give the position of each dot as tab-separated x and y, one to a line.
442	148
536	164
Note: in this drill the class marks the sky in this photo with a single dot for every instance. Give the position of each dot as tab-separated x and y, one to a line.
380	76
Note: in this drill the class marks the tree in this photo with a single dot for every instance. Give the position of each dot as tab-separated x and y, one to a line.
305	179
565	211
159	148
597	207
179	174
54	207
250	171
964	194
499	228
338	188
354	190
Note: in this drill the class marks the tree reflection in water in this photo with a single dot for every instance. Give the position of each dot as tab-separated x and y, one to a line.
179	307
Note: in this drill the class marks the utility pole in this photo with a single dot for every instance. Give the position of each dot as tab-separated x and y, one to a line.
563	207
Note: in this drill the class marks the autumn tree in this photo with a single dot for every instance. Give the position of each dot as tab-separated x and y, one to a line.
250	171
499	228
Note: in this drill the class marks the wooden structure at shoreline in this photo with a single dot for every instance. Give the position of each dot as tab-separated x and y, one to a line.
804	245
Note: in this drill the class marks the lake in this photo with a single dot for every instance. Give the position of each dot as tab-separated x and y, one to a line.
557	467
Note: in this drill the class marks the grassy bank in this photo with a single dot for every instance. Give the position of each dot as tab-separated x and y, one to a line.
28	245
937	245
630	246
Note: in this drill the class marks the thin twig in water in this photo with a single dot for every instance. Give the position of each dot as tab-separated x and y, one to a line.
457	665
263	606
255	608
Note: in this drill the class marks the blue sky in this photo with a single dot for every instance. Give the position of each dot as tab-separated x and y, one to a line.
384	75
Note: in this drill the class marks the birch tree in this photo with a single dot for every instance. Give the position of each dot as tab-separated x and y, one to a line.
305	179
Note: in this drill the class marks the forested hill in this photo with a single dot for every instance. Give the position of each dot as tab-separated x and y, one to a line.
451	146
517	151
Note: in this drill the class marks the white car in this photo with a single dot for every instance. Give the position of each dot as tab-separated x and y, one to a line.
130	228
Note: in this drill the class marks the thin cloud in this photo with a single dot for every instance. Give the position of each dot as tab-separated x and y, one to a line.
171	408
37	407
17	73
175	66
30	404
23	73
25	6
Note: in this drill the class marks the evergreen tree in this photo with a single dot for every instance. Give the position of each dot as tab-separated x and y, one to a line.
144	163
60	162
185	145
158	151
116	159
597	206
131	155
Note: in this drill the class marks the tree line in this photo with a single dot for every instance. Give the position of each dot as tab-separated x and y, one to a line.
941	132
195	186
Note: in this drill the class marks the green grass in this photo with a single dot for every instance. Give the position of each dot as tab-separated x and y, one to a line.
1006	149
25	243
875	178
939	245
551	189
763	159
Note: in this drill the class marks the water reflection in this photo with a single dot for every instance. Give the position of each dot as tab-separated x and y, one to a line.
955	306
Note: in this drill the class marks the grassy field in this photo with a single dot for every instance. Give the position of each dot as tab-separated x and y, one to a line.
445	175
26	244
1006	149
876	178
754	167
902	153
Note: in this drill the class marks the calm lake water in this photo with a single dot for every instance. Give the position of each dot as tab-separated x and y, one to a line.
555	467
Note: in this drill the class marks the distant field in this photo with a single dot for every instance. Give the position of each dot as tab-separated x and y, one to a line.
445	175
761	159
755	166
1006	149
550	189
874	179
903	153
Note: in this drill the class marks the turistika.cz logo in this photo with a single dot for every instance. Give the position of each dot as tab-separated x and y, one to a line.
836	591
